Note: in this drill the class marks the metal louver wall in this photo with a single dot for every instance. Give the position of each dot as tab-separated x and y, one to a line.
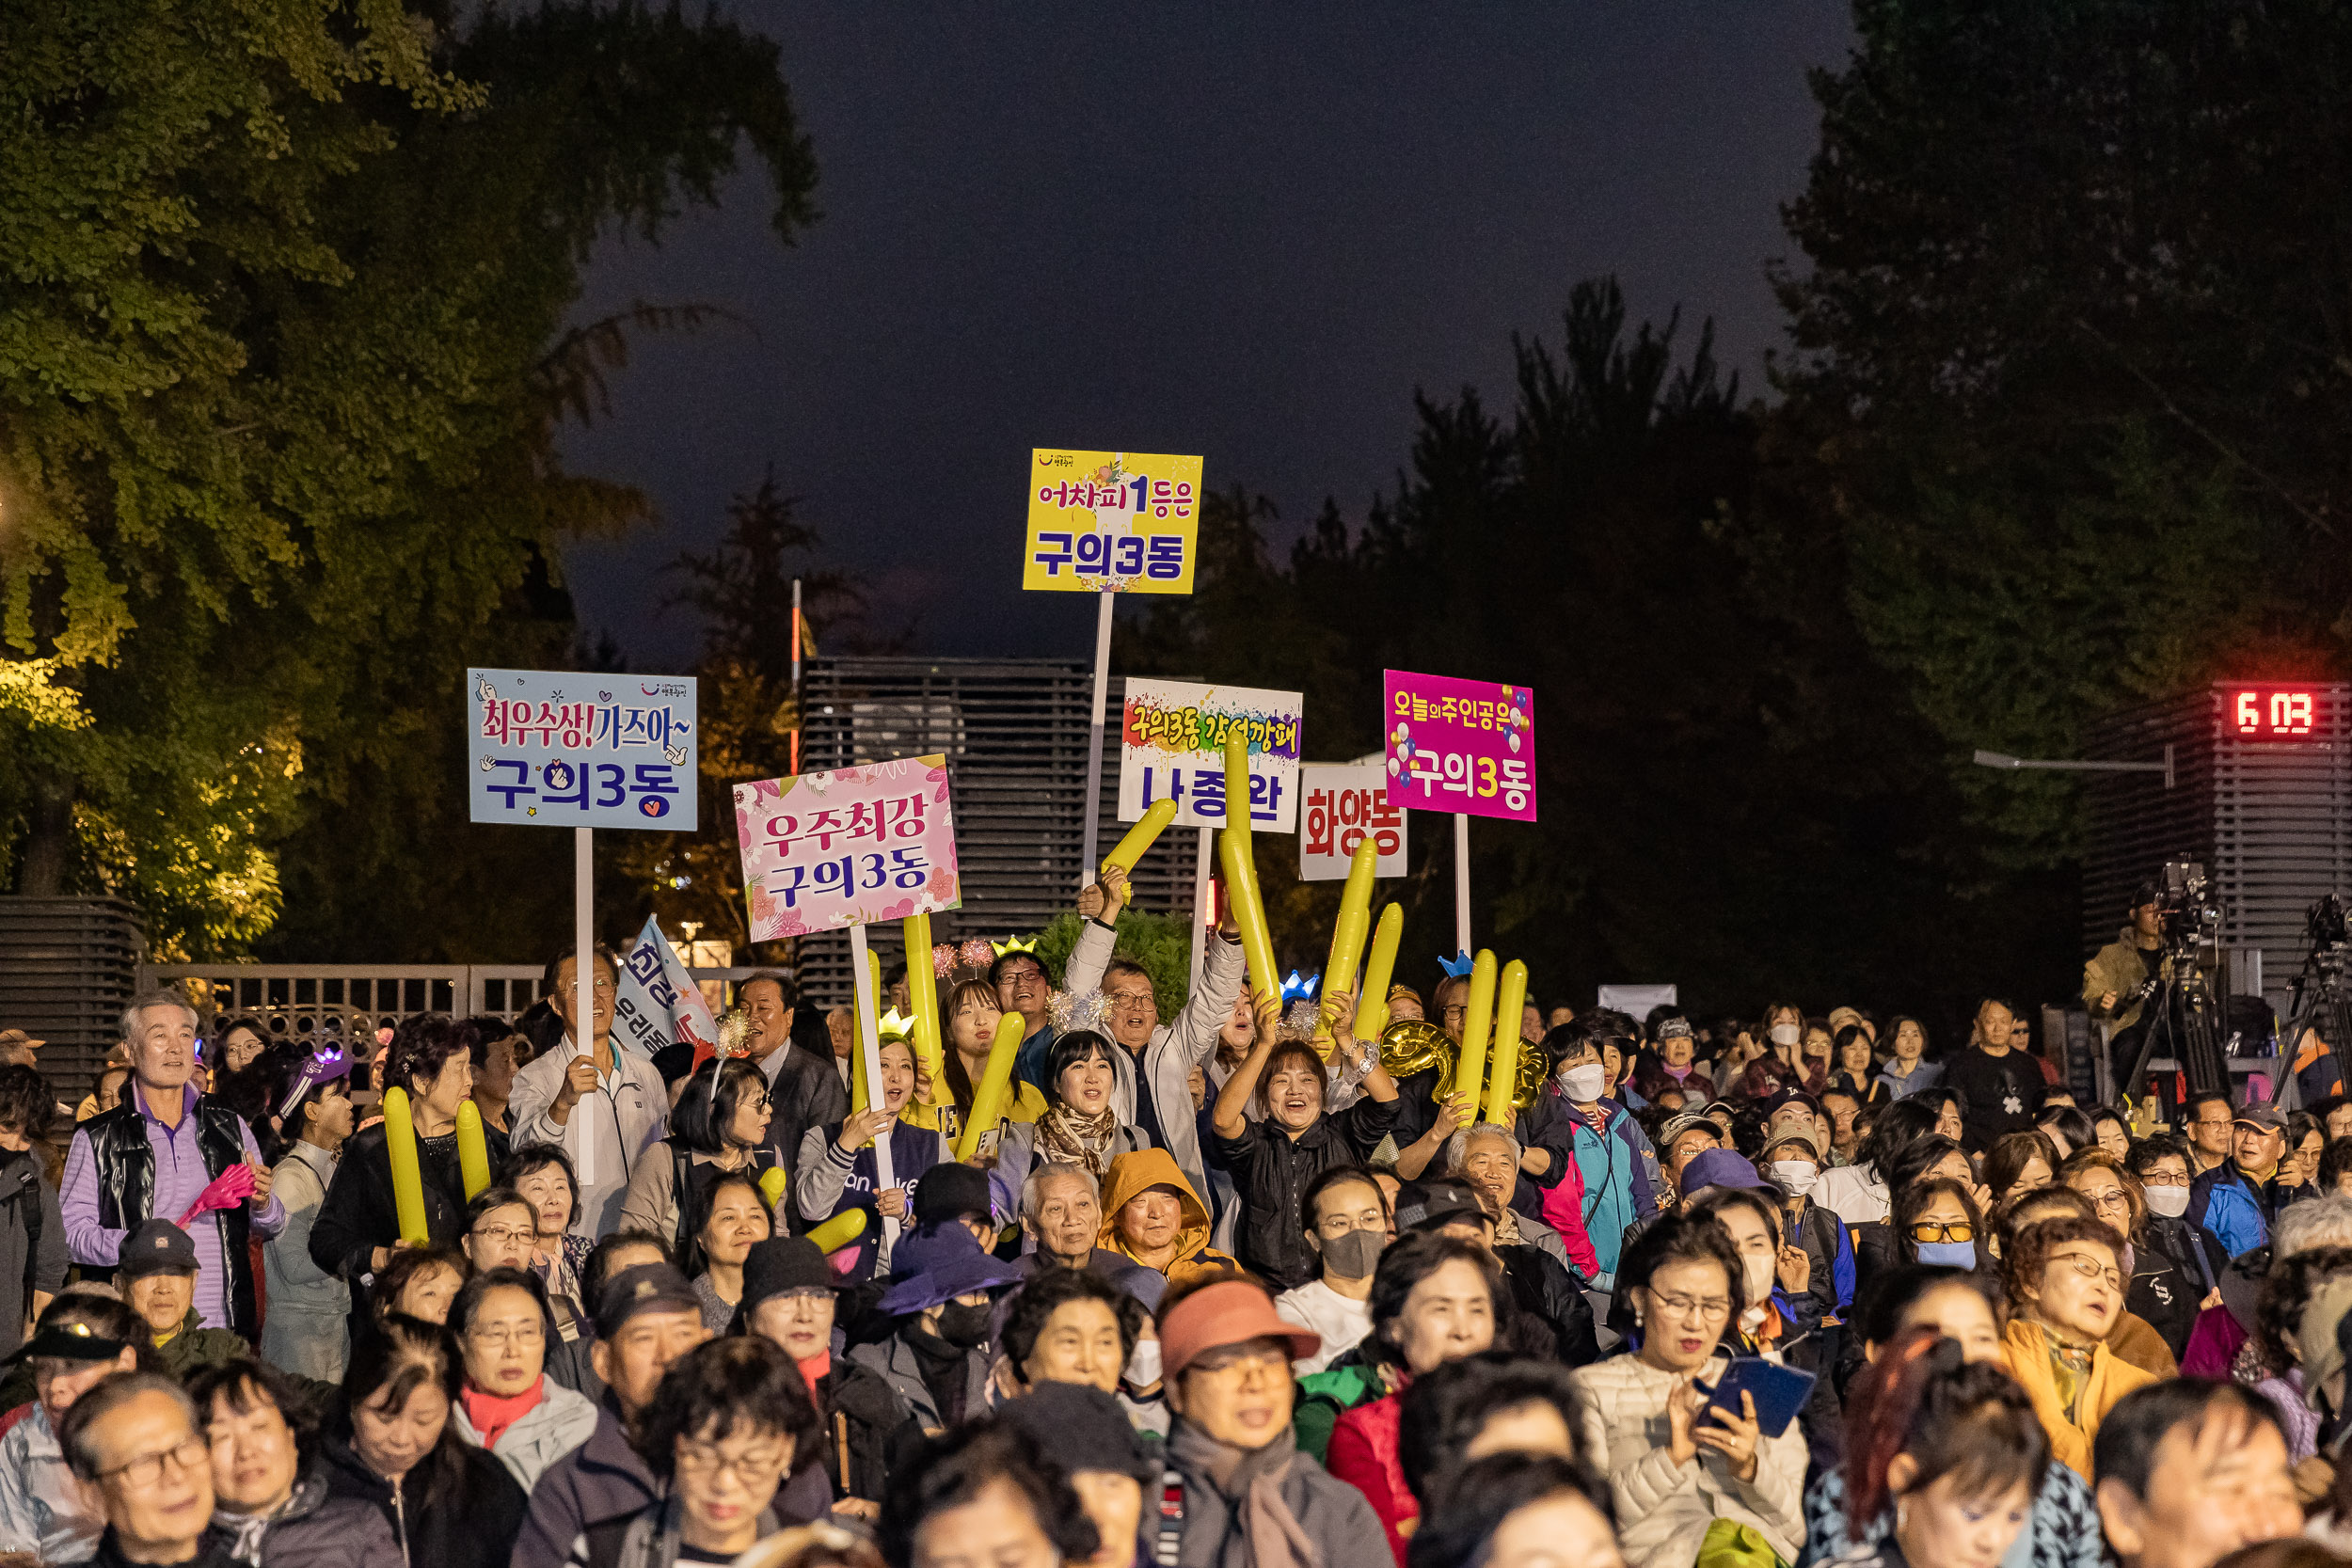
2270	819
67	967
1014	732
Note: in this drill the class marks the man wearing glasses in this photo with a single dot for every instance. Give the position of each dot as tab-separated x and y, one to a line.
2209	1135
133	1440
2235	1201
604	1107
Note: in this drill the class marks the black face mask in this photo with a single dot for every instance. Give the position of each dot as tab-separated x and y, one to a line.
963	1326
1355	1255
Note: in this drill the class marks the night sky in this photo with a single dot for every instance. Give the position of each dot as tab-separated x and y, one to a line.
1247	232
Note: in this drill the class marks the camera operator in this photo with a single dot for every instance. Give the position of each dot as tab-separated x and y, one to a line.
2117	975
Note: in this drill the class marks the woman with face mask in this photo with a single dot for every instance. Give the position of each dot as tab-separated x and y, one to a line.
2161	1165
1793	1165
2158	1291
937	1355
1273	1159
1347	1225
1573	1136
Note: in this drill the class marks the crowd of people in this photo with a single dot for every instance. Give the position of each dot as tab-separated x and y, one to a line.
1233	1289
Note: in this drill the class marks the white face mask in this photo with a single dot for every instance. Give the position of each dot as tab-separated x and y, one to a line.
1582	1084
2171	1202
1143	1367
1787	1034
1796	1177
1758	1272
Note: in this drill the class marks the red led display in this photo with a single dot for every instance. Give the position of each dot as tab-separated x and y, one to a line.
2269	713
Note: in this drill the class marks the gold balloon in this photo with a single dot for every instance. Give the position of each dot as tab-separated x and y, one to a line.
1413	1045
1534	1069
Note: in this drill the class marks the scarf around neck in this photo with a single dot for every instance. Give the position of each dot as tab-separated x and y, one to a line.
1250	1481
1068	1138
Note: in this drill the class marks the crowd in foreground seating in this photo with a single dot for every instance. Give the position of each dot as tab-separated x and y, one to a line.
1209	1293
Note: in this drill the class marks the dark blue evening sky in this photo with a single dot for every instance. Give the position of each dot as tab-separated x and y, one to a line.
1243	230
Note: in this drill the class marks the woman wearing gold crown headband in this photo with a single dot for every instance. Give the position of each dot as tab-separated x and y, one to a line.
837	1170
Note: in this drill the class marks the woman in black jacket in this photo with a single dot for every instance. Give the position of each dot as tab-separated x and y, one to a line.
449	1504
358	1221
1275	1159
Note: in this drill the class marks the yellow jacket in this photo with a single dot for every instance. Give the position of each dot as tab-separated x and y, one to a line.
2026	1349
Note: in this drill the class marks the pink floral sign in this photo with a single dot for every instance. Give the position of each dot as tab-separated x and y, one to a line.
848	848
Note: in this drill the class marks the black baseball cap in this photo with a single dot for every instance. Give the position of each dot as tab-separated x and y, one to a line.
158	1246
949	1191
783	1263
644	1288
1428	1205
69	1343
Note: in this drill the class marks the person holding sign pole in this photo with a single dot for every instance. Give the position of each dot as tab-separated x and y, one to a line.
837	1170
1156	1060
605	1107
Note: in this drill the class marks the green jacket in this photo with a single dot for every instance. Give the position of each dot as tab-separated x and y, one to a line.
192	1347
1324	1397
2116	968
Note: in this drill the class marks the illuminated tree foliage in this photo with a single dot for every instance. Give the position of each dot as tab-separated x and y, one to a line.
283	289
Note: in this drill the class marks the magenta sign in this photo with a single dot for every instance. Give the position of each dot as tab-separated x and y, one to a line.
1467	747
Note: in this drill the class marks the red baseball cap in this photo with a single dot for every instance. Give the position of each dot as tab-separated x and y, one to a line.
1230	1312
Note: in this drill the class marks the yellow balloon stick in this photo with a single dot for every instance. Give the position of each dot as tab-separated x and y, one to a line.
988	1100
1371	1004
771	1184
1348	930
1241	890
840	1230
1470	1073
1510	1003
923	1002
1130	849
400	1146
1237	782
474	1150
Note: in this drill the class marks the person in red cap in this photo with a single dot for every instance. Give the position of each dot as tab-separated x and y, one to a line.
1238	1492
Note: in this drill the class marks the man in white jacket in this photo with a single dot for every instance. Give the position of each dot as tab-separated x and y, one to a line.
604	1107
1155	1067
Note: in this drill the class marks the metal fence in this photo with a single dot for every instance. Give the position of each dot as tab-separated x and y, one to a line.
329	1002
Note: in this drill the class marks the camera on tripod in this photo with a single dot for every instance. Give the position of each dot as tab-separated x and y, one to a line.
2189	920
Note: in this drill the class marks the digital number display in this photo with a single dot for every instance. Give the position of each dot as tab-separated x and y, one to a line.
2270	713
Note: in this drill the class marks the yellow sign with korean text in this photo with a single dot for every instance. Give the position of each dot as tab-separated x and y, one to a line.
1118	522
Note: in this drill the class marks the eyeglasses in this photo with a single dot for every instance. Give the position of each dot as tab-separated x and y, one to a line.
148	1468
1929	1230
750	1469
2112	1198
2089	1268
505	1235
1237	1358
2162	1179
503	1335
1705	1310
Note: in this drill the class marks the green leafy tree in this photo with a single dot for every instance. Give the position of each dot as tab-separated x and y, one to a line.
282	358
